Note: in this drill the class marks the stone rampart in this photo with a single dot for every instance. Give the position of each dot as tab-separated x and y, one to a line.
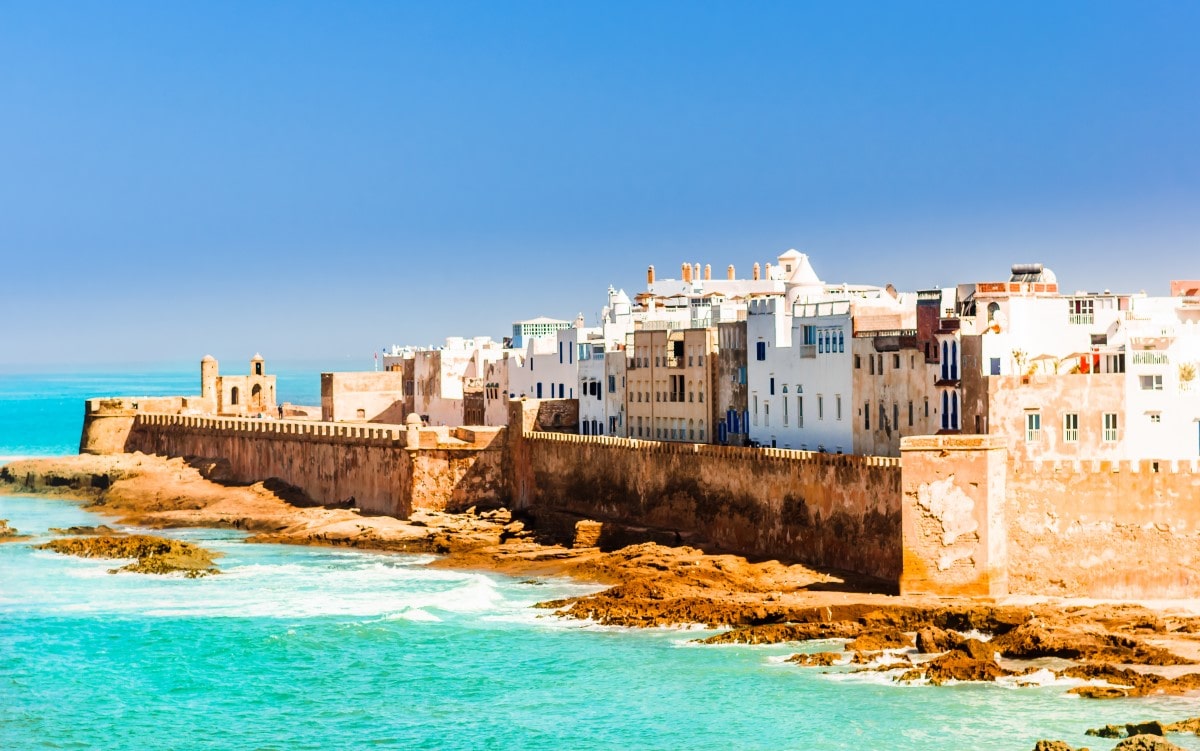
1105	529
828	510
385	469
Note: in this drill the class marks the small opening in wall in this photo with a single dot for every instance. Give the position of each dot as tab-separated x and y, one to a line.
1153	466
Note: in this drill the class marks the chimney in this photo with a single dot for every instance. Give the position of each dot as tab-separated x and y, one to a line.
687	272
756	275
696	272
729	273
768	271
650	275
707	271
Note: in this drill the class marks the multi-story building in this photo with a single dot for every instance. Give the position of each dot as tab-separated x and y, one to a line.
670	375
732	407
1084	375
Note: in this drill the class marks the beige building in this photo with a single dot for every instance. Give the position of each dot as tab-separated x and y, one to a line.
252	394
670	376
894	390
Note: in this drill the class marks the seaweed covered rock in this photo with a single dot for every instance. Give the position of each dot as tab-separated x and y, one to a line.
155	555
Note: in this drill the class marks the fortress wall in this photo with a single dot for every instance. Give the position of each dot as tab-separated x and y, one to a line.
827	510
1106	529
330	462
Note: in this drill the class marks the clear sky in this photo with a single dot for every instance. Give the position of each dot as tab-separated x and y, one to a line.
318	180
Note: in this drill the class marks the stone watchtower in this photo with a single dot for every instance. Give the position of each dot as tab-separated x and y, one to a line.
209	386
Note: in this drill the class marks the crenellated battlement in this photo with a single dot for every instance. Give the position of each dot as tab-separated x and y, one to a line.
1089	467
730	452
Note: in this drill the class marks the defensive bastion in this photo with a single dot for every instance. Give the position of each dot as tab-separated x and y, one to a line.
952	516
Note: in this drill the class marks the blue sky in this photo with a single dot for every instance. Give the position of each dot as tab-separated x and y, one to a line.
316	180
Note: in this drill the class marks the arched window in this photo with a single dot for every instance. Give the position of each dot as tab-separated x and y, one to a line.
945	410
954	360
841	342
945	359
233	395
256	396
993	309
954	410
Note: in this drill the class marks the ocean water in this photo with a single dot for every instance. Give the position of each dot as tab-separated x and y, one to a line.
310	648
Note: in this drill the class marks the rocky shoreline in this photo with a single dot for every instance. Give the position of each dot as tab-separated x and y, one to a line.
1114	651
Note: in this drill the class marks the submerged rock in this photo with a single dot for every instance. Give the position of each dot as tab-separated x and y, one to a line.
155	555
1130	729
816	659
99	529
10	534
1191	725
1054	746
1126	682
1146	743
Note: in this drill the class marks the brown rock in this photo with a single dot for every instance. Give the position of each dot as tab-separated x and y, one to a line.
777	633
959	666
977	650
1191	725
1099	692
1079	641
875	641
932	639
1108	731
155	555
821	659
1054	746
1146	743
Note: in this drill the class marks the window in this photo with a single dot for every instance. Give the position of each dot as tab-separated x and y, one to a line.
612	384
820	407
1155	418
895	414
761	351
896	362
926	408
910	413
858	362
866	415
837	400
880	364
771	391
1110	427
992	310
871	364
785	410
755	409
1151	382
741	377
1081	310
767	414
1033	427
799	411
841	341
1071	427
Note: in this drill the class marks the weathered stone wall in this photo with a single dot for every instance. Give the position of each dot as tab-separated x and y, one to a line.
953	509
834	511
1104	529
384	469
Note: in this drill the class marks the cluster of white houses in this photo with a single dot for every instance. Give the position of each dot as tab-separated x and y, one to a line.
784	359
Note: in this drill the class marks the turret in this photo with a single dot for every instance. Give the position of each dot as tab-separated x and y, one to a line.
208	383
257	364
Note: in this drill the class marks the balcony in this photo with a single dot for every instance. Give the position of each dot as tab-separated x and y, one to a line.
1081	319
808	350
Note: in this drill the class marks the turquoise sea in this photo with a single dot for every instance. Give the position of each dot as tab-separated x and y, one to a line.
305	648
